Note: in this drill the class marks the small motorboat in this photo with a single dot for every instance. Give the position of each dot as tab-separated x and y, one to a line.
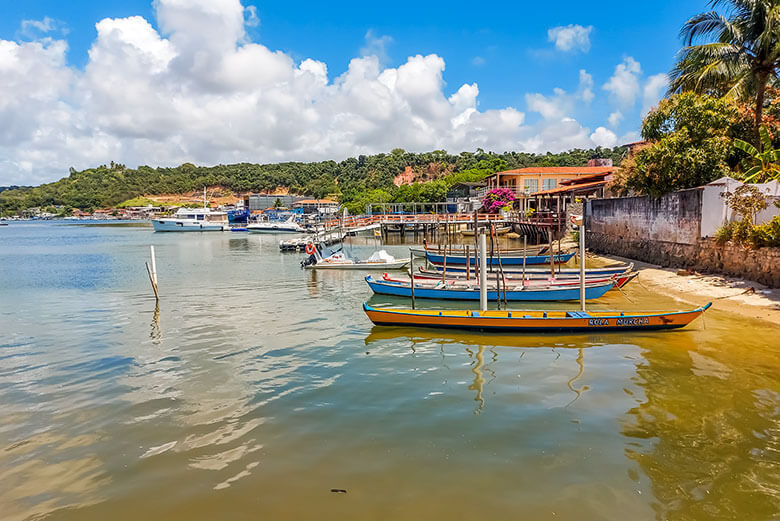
288	226
379	260
533	321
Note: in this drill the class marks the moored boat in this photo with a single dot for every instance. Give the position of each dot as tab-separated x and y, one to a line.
535	270
380	260
533	321
288	226
506	259
471	292
515	279
193	220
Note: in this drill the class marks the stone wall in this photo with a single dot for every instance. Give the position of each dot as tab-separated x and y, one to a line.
675	217
761	265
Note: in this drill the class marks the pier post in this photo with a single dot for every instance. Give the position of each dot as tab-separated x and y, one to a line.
482	271
152	271
411	268
582	264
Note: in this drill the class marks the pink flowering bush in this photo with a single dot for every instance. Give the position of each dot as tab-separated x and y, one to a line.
498	199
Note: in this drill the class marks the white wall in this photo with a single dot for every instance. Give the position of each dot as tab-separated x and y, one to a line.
715	212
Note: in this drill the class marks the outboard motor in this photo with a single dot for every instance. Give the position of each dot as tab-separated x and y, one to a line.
308	261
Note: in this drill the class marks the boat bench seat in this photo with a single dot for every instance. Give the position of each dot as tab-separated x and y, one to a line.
578	314
475	313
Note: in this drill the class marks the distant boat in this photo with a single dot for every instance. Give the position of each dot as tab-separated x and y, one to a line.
533	321
193	220
288	226
471	292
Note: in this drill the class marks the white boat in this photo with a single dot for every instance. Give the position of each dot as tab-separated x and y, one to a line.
288	226
380	260
193	220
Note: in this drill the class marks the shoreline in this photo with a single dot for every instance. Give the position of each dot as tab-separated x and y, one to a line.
734	295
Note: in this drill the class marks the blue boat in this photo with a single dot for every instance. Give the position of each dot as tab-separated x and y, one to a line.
506	260
403	289
564	272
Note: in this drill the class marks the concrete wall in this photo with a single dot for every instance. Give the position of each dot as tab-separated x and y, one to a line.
676	217
666	231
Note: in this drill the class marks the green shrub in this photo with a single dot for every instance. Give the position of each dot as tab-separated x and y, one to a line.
724	233
767	234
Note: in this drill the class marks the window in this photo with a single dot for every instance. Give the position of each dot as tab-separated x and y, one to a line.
531	185
549	184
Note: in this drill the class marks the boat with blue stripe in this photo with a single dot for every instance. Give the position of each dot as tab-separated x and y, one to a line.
461	292
506	260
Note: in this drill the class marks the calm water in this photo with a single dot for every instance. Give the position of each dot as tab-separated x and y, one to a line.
255	388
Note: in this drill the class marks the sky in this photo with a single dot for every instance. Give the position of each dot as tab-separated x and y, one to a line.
165	82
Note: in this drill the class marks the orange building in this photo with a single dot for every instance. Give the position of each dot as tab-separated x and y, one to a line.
527	181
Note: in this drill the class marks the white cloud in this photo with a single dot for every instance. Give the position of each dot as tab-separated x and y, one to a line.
250	16
653	91
615	118
197	91
604	137
478	61
570	37
623	86
47	25
586	86
376	46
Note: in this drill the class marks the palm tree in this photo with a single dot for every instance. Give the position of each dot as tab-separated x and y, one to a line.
740	55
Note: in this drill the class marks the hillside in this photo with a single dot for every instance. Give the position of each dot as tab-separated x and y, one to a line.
354	180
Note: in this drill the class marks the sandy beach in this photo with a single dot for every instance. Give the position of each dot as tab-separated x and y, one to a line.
739	296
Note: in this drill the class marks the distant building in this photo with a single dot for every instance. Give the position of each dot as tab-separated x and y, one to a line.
466	197
257	202
317	206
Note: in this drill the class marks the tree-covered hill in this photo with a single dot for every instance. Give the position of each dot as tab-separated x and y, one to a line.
352	179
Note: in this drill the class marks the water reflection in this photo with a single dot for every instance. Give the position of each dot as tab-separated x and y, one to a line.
707	430
479	379
570	383
156	333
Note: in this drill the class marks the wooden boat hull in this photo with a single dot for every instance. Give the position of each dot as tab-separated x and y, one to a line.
400	263
536	294
532	321
514	279
529	271
510	260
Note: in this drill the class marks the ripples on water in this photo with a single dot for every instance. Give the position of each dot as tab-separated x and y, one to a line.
255	388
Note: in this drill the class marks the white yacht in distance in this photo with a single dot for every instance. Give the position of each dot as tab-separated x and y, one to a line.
288	226
193	220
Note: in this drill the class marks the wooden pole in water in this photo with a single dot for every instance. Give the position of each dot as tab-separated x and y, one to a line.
582	264
411	267
152	271
525	252
552	256
482	272
468	262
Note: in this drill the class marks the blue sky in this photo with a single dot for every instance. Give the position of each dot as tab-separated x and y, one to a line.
506	49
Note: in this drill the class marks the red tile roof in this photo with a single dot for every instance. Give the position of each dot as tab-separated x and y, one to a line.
573	188
560	170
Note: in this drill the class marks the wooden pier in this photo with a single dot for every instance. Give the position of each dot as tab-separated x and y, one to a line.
539	228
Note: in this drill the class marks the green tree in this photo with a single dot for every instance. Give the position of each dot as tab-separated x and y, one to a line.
760	167
690	145
739	56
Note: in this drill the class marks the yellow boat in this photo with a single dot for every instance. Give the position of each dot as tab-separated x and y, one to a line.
533	321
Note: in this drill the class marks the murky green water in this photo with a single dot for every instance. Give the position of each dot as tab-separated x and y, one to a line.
257	388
